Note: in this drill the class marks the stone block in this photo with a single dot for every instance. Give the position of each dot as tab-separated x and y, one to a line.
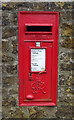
65	16
59	6
9	81
9	69
66	67
66	29
10	101
14	44
9	18
64	112
8	6
67	42
7	58
5	21
66	56
5	45
9	31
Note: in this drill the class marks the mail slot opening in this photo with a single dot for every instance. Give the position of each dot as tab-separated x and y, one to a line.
39	29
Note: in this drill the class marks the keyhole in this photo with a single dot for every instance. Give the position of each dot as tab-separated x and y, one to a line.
30	77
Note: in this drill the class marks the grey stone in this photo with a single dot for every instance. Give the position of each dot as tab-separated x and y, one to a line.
9	81
6	58
9	31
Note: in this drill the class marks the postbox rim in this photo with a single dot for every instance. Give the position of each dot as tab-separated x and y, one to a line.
37	12
24	53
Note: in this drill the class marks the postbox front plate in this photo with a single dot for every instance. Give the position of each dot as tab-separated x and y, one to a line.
38	58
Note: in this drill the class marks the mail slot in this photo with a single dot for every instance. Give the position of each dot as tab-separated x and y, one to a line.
38	58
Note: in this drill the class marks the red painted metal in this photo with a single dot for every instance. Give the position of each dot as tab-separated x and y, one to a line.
38	88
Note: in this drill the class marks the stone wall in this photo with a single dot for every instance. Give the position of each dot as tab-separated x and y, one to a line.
10	108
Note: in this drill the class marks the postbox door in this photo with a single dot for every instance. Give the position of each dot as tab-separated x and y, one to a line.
37	71
38	58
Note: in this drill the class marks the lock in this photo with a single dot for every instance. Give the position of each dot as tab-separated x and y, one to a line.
30	77
38	57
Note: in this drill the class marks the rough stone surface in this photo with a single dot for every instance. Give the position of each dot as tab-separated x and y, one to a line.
63	110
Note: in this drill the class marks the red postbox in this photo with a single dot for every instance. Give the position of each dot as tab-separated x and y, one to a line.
38	58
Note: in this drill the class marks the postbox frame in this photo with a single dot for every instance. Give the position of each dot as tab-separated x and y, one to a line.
54	78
